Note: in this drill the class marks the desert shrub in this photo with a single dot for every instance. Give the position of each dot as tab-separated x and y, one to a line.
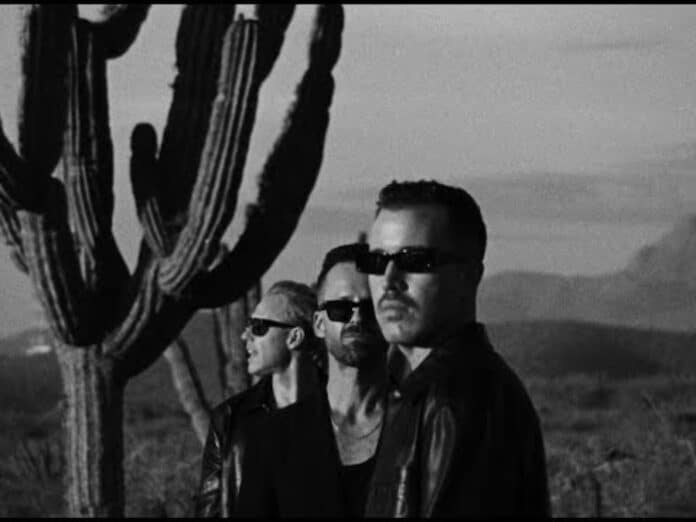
639	461
31	478
162	468
30	384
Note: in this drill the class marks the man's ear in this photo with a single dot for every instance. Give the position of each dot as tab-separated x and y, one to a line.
295	338
472	273
319	325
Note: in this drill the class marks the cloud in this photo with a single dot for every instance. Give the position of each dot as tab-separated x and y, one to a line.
616	45
624	198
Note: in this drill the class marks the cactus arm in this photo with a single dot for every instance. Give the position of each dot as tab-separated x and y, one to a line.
288	175
273	20
45	41
214	195
119	26
54	268
143	171
15	188
9	232
187	384
152	321
87	166
198	44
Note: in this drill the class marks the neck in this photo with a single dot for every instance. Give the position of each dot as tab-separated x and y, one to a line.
298	379
356	393
415	355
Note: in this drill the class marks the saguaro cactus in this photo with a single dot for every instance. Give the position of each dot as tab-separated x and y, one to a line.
228	323
56	199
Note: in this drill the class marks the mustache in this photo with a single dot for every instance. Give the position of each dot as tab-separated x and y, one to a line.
391	297
356	329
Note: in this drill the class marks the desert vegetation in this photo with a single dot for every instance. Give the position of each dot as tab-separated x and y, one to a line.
615	445
56	200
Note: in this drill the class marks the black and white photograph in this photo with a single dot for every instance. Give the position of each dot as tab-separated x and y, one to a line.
347	260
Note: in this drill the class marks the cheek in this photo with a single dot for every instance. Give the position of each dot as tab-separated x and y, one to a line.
425	290
332	331
376	284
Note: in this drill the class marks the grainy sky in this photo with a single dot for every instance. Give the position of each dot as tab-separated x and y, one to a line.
573	125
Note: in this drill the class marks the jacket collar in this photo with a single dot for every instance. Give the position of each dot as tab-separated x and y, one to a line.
466	349
260	396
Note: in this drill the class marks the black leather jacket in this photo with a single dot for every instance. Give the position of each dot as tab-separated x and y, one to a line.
461	439
231	424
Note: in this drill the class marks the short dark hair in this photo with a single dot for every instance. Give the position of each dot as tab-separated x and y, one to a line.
463	211
341	254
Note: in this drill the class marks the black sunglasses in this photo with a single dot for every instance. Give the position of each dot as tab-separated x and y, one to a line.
341	310
417	260
259	327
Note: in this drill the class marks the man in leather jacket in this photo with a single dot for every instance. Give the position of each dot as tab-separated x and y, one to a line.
461	437
316	457
282	349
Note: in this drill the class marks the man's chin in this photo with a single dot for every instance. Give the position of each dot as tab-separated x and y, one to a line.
395	334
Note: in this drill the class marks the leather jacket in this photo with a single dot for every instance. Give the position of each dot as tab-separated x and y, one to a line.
461	438
232	423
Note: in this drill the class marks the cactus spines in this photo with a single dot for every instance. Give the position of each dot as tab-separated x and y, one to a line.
54	267
224	153
9	231
281	198
198	50
41	117
110	323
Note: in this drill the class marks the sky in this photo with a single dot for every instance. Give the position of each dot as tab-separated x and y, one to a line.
574	126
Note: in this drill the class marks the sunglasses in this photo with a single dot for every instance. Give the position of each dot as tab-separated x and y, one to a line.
341	310
259	327
417	260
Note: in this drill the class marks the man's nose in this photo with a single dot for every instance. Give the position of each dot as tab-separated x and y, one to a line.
393	277
245	334
357	315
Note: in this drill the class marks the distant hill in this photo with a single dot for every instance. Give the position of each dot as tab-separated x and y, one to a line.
551	349
657	289
561	348
17	344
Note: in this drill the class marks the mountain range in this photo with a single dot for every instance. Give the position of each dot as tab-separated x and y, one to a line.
655	290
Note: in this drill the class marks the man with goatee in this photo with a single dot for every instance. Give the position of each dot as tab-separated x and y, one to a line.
317	456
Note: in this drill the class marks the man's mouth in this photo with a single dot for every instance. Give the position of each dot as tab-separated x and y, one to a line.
390	308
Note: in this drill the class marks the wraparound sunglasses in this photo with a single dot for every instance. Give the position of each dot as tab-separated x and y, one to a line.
341	310
259	326
417	260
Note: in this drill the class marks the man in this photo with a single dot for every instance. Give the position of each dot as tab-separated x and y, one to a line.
280	341
461	437
317	457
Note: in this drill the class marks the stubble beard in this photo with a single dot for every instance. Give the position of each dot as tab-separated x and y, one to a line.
355	352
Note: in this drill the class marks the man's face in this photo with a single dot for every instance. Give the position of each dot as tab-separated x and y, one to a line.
417	309
357	341
268	353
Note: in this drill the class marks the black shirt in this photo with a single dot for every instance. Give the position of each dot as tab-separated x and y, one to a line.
355	480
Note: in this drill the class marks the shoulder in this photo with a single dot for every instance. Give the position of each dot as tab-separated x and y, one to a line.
243	402
480	380
301	411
